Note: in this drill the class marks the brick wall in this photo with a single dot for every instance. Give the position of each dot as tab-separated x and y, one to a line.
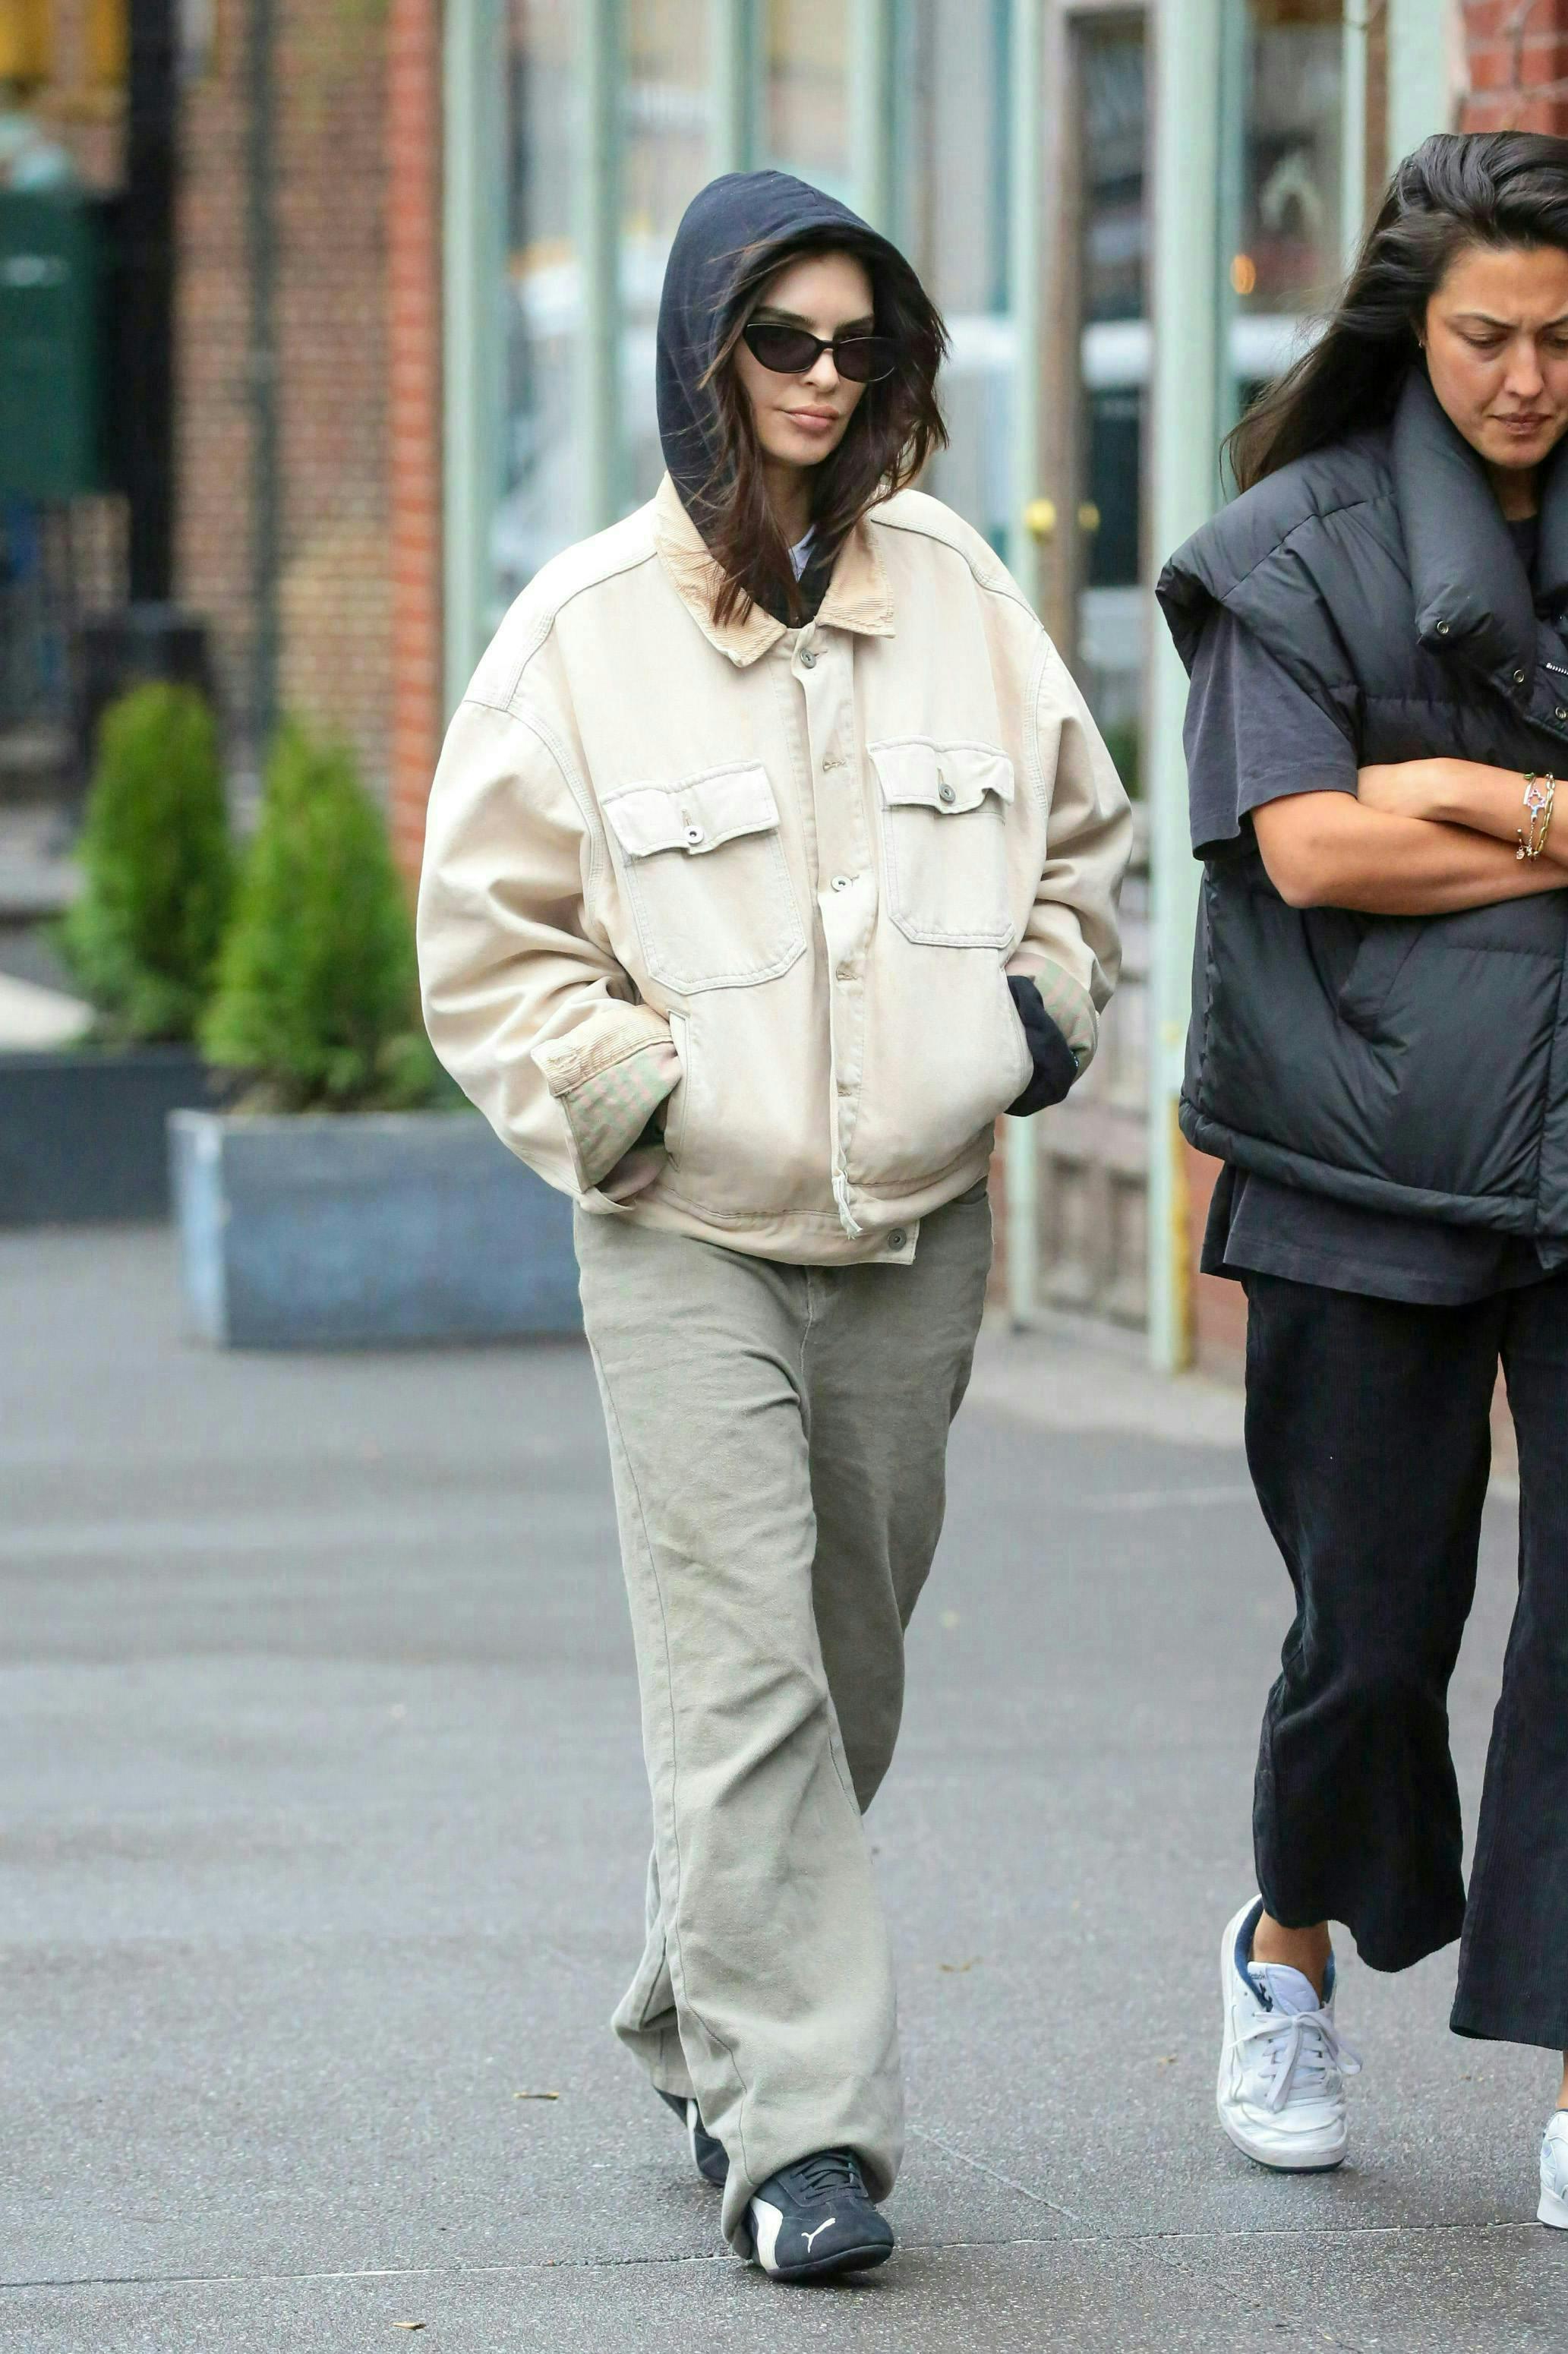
334	594
1517	57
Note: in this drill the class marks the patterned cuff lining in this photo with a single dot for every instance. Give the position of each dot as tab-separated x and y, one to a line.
608	1112
1071	1009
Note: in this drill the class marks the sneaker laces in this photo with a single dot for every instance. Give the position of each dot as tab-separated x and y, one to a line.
1302	2050
826	2171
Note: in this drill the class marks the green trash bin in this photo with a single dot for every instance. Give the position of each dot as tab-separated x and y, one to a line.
51	345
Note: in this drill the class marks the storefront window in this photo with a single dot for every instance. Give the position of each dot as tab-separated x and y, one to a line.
953	223
805	113
665	161
1114	346
1285	234
541	507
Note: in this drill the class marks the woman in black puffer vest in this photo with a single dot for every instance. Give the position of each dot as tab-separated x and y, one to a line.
1378	1055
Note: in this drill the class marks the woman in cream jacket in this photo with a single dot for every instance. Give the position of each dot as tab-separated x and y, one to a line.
772	855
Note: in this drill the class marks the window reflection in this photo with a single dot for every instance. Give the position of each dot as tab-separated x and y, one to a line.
805	122
1114	346
1286	249
540	510
665	161
953	223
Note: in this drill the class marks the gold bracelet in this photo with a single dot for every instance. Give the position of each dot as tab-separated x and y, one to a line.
1540	795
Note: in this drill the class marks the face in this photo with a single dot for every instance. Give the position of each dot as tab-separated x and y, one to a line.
801	419
1496	350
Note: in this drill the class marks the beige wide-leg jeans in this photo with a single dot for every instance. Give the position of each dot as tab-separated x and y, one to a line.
778	1438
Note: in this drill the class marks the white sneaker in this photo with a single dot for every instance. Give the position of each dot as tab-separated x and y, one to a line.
1553	2207
1282	2066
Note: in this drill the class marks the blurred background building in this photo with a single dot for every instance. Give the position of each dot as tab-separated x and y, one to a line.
324	322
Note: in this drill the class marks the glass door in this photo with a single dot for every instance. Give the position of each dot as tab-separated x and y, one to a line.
1081	1194
1113	354
1282	185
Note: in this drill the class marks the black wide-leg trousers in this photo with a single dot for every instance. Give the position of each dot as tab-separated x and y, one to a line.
1368	1430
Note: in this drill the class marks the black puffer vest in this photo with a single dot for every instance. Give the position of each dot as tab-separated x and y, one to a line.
1409	1063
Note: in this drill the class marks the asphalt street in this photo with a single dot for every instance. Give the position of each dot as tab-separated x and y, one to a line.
322	1841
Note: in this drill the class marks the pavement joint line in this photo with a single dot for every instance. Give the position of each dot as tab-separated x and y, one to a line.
924	2133
1155	2240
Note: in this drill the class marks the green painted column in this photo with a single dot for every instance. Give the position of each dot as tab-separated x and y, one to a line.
1420	73
1185	426
1024	262
871	111
736	62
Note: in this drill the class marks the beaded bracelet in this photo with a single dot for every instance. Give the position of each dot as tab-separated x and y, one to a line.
1540	793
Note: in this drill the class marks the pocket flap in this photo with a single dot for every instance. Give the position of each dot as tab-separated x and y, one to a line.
947	778
697	816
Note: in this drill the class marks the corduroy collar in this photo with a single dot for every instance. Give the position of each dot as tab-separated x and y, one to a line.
1471	595
858	596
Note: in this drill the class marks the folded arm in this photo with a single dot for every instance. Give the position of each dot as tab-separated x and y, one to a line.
1330	850
1462	792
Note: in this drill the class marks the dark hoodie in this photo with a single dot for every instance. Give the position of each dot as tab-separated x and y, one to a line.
725	228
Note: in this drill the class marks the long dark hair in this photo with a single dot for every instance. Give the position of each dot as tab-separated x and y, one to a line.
1496	188
894	430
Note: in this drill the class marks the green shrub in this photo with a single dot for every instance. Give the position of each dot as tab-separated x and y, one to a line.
143	939
316	998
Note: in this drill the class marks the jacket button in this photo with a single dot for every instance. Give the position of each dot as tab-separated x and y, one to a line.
896	1239
840	883
845	972
1442	629
1560	713
945	794
1519	678
808	660
694	834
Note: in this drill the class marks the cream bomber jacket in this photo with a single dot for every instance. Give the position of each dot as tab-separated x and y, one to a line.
773	879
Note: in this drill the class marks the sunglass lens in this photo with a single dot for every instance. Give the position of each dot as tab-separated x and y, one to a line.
788	351
866	359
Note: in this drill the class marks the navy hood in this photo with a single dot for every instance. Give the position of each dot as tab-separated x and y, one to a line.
726	228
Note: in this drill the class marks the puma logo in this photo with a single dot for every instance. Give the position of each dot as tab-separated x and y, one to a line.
818	2233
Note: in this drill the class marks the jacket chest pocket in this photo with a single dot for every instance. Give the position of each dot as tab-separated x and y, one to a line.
707	879
944	831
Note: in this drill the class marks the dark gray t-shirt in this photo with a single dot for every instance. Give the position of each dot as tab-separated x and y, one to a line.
1254	736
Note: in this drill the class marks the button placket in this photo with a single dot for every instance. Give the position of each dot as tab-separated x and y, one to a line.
847	893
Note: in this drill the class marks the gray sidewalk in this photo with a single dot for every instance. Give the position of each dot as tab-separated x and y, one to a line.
321	1831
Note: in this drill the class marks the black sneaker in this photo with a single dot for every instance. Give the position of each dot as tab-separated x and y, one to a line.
708	2155
815	2218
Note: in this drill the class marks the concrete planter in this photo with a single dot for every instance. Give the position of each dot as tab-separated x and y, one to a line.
82	1131
366	1230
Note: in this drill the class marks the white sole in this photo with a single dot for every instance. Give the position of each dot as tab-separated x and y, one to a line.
1306	2162
1553	2210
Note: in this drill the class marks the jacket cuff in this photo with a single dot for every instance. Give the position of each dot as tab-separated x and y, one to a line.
1070	1007
608	1087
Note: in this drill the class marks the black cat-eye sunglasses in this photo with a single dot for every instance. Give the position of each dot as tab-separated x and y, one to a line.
795	351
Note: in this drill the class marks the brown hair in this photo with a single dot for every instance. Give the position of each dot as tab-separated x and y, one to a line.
895	429
1459	189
